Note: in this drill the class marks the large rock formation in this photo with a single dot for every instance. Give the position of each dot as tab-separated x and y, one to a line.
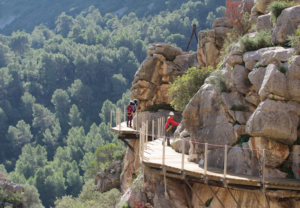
110	177
162	65
211	42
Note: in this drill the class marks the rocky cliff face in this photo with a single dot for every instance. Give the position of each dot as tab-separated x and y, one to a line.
162	65
268	96
250	97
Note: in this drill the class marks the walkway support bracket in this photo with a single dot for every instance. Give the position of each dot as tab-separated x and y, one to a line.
195	192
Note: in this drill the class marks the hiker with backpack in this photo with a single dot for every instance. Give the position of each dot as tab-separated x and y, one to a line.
169	125
130	110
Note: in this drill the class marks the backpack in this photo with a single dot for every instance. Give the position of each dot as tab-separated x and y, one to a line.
129	110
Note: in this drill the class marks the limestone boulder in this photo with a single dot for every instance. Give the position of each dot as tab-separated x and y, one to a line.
274	82
222	22
239	130
242	161
240	79
264	22
208	52
110	178
274	173
215	158
205	117
253	98
293	77
286	24
276	153
211	42
263	57
274	119
256	77
177	145
186	60
234	60
168	51
261	5
254	15
180	128
296	160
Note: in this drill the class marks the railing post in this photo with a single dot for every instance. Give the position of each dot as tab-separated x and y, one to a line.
142	132
119	112
153	130
164	151
183	152
124	113
225	161
110	119
162	126
263	166
116	112
137	120
147	133
205	159
140	145
158	126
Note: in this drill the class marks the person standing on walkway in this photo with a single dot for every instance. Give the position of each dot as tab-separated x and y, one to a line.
169	125
130	110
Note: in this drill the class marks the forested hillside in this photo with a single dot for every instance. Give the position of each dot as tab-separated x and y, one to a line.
59	81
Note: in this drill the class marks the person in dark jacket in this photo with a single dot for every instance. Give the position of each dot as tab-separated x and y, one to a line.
169	125
130	110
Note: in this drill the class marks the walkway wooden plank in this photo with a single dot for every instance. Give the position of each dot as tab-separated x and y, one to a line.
153	157
124	129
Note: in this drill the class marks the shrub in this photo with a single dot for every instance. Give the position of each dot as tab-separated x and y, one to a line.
239	108
276	7
282	69
238	17
186	86
156	107
297	142
287	169
218	80
208	202
241	140
261	40
295	40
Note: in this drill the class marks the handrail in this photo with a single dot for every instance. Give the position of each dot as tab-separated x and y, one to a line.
143	144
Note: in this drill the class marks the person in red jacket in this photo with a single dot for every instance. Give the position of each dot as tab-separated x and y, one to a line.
168	126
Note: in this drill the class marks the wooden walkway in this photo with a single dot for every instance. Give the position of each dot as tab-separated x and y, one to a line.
124	129
153	157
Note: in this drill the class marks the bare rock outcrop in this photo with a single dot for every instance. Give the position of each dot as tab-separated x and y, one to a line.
110	178
211	42
276	153
177	145
162	65
242	161
152	191
274	119
264	22
131	165
286	24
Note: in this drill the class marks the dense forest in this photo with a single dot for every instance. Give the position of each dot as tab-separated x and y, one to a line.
63	66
